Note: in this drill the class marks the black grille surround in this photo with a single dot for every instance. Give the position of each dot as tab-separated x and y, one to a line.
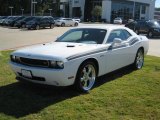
32	62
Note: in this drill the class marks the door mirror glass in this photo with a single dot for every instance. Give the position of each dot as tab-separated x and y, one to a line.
116	41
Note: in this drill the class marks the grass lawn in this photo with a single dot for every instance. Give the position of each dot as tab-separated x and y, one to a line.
121	95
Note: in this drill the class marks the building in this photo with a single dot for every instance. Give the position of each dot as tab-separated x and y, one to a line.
127	9
157	15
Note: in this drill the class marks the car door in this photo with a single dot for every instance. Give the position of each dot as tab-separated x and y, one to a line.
66	22
146	27
121	54
70	22
140	26
143	27
42	22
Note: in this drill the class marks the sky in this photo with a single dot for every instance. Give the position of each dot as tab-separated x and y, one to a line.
157	3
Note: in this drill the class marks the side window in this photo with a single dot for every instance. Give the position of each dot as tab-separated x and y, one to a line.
126	34
116	34
43	19
122	34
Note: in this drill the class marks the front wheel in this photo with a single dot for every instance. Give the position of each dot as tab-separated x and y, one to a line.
139	60
23	26
37	27
150	34
63	24
76	24
52	26
86	77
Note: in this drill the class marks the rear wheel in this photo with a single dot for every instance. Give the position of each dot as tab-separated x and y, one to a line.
63	24
37	27
139	60
86	76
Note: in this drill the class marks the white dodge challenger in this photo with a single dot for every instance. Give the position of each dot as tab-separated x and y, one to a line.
79	56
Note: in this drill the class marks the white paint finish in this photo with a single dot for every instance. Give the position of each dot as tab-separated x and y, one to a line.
108	59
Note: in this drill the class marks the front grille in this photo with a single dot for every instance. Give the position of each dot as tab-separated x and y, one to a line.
33	62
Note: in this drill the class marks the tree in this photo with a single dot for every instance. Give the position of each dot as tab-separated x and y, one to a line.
97	11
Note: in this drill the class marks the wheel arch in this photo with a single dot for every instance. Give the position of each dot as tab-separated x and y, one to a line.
141	48
91	60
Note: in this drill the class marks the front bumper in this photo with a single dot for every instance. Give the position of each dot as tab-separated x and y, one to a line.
156	33
48	76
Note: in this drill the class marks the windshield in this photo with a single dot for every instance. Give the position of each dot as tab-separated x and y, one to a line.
84	35
154	24
36	19
117	18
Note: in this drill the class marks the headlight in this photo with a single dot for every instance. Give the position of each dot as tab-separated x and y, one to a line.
60	64
56	64
13	58
156	30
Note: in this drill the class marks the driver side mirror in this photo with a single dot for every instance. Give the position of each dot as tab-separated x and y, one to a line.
116	41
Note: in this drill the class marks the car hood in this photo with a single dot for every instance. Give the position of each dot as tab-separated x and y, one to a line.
59	50
156	27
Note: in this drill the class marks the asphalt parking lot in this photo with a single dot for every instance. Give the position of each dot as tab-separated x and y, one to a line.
13	38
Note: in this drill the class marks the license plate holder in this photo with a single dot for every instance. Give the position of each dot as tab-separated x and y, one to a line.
26	73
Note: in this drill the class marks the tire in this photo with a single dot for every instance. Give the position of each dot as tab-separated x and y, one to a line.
63	24
150	34
76	24
37	27
23	26
52	26
139	59
86	77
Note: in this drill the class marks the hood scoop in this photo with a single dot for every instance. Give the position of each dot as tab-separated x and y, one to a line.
70	45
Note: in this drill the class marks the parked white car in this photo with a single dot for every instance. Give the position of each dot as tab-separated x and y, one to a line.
66	22
77	19
118	20
79	56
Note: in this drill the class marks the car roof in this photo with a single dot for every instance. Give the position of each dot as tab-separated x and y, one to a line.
107	27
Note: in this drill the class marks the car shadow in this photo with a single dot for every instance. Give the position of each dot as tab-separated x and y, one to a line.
113	75
41	29
19	100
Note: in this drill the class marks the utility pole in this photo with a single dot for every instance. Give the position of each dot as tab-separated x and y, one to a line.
11	7
34	6
50	10
22	11
31	7
134	9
